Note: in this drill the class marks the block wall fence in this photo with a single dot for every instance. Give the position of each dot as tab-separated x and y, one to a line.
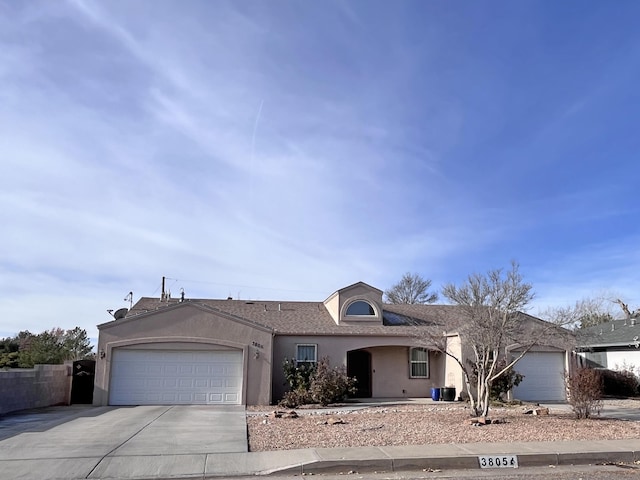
41	386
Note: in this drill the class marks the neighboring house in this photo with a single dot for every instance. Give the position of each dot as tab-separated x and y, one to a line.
614	345
170	351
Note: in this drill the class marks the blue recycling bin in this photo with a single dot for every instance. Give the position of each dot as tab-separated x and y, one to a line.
435	394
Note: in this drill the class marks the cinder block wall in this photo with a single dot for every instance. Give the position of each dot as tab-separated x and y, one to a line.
41	386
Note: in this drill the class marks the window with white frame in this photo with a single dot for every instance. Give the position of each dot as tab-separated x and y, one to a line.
419	362
306	354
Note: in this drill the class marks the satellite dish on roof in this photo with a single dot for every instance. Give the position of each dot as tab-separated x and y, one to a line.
120	313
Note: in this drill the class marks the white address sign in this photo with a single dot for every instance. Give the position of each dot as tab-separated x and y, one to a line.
498	461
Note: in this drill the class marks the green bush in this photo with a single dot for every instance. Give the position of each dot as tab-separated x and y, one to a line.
501	385
297	376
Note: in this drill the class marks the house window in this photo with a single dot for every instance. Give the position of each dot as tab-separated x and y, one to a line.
360	307
306	354
419	361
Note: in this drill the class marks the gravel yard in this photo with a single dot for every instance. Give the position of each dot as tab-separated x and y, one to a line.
424	424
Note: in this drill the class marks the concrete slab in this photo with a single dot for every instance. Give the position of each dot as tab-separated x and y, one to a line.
288	462
191	429
151	466
80	436
47	469
421	451
343	460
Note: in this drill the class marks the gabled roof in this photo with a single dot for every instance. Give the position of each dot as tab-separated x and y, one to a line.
615	333
354	285
313	318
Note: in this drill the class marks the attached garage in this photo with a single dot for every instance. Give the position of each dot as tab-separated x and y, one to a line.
168	377
543	377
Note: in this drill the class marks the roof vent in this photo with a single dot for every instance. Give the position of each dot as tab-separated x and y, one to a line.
633	322
613	327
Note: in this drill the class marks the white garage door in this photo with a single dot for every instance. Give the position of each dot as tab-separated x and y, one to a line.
167	377
543	377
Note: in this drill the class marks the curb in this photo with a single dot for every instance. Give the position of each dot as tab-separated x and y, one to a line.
467	462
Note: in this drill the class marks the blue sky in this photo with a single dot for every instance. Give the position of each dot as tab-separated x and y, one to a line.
285	149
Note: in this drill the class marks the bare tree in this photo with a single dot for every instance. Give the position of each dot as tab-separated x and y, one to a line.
492	321
625	308
585	313
412	288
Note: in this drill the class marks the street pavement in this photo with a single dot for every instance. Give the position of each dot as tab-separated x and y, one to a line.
211	441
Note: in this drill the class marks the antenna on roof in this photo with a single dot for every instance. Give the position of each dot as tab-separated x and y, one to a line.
129	298
120	313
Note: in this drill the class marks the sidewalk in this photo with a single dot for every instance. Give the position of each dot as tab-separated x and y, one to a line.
406	458
319	461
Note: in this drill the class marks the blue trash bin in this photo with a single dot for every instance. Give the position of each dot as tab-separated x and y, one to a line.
435	394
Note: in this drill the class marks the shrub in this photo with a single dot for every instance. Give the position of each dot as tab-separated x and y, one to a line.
297	375
294	398
618	384
330	385
584	387
505	382
500	385
319	384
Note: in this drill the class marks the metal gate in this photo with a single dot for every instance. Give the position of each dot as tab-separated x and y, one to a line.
84	372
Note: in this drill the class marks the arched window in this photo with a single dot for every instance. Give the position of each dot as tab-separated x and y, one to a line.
360	307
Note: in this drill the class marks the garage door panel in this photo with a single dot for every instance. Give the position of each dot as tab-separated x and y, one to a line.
140	377
543	377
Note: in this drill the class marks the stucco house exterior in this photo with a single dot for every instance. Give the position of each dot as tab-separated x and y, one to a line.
181	351
614	345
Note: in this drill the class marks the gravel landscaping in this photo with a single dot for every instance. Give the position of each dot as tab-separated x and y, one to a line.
425	424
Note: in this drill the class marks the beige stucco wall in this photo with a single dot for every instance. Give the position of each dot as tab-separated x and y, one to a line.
337	303
389	362
187	326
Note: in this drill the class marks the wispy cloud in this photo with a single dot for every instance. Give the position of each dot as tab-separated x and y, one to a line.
290	149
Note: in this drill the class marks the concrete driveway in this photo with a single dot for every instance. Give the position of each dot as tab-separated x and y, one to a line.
97	442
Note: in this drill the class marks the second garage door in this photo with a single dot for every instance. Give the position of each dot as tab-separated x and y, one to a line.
168	377
543	377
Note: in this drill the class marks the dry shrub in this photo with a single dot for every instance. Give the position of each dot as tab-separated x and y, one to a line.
619	383
319	384
584	387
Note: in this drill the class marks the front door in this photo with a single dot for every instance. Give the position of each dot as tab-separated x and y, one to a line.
359	366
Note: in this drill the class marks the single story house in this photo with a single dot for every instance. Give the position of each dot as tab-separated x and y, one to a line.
182	351
614	345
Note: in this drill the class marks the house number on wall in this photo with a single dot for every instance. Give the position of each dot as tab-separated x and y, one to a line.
257	345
